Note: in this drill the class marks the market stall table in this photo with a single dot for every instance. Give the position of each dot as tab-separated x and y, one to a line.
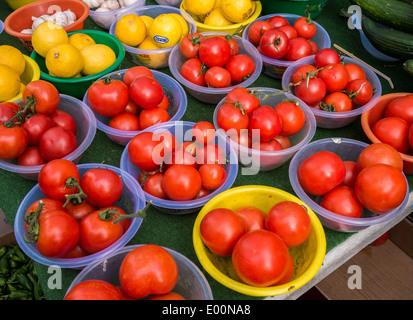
175	231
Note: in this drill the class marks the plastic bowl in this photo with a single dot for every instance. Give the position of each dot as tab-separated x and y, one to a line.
31	73
105	18
153	58
132	200
77	87
177	107
21	18
86	129
371	116
182	132
16	4
1	26
332	120
300	7
214	95
275	68
347	150
172	3
191	284
253	159
232	28
308	256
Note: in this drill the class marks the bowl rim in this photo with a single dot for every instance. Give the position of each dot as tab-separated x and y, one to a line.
350	221
243	287
136	4
1	26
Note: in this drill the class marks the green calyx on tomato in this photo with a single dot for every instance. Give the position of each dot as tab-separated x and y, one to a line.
32	220
140	214
75	198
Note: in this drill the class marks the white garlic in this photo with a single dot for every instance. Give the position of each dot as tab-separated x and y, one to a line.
61	19
27	31
93	3
125	3
110	4
36	22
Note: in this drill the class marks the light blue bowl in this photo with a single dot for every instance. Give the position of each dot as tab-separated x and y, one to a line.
1	26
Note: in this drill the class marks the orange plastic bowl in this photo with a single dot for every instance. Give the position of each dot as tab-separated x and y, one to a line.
370	117
21	18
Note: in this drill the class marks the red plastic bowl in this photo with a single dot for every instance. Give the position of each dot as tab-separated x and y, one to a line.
21	18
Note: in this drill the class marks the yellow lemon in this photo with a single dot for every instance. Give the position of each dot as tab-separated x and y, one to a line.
237	11
12	57
81	40
216	18
130	30
46	36
147	20
9	83
151	60
64	61
96	58
182	21
199	7
218	3
165	30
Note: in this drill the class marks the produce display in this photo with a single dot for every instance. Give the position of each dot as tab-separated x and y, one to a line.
12	65
61	18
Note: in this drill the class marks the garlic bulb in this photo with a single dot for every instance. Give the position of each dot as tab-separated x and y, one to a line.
62	18
125	3
110	4
93	3
27	31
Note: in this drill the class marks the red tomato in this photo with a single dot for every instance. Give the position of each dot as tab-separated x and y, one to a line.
260	258
321	172
314	46
164	103
135	72
125	121
181	182
393	131
180	157
252	217
56	143
214	51
31	156
64	119
380	187
379	153
232	44
351	173
93	290
401	107
342	200
355	71
267	121
256	30
132	107
44	205
229	116
217	77
360	91
189	45
167	296
277	21
220	230
194	71
213	175
240	67
142	148
13	141
290	31
274	44
76	252
210	153
151	116
299	48
154	185
8	110
79	211
242	97
410	136
313	93
325	57
203	132
290	221
305	27
302	72
271	145
336	102
42	96
146	92
292	117
148	269
284	141
335	76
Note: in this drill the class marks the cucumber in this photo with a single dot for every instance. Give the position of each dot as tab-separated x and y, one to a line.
408	66
392	13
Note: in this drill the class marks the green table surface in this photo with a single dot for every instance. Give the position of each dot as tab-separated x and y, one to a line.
175	231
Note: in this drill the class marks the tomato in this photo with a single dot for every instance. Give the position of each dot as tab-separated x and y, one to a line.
299	48
260	258
194	71
321	172
8	110
351	173
217	77
253	218
284	141
181	182
148	269
124	121
360	91
380	240
290	221
271	145
125	223
267	121
132	107
167	296
313	93
305	27
189	45
302	72
31	156
335	76
56	143
393	131
154	185
380	187
232	44
169	142
135	72
63	119
203	132
44	205
290	31
247	101
108	97
13	141
164	103
42	96
93	290
336	102
210	153
379	153
292	117
314	46
220	230
103	187
354	71
76	252
79	211
214	51
342	200
274	44
410	136
141	150
146	92
325	57
401	107
151	116
213	175
288	273
240	67
256	30
277	21
229	116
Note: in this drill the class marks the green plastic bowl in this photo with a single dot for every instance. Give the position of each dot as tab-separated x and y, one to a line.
300	7
76	87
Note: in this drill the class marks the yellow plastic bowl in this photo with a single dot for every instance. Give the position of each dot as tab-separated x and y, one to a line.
202	27
30	73
16	4
308	257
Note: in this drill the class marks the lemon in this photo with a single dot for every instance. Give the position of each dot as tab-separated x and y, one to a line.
64	61
151	60
218	3
199	7
9	83
46	36
237	11
12	57
130	30
165	30
216	18
96	58
147	20
81	40
182	21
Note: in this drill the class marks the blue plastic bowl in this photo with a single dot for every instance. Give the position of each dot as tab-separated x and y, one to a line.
347	150
132	196
86	130
275	68
180	129
177	106
1	26
332	120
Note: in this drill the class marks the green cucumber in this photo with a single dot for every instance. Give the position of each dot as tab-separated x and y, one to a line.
408	66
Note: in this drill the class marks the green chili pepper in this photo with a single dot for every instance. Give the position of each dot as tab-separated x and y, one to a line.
4	265
19	294
2	282
3	251
38	292
24	281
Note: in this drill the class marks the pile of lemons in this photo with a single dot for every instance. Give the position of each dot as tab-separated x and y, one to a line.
220	12
12	65
72	56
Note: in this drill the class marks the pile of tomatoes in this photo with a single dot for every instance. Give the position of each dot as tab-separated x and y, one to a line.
257	241
277	39
214	61
36	131
148	271
179	170
374	181
242	114
133	103
331	85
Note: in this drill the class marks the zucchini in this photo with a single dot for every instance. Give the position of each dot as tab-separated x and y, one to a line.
392	13
408	66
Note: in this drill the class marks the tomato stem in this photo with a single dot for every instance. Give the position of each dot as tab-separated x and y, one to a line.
75	198
326	107
140	214
32	220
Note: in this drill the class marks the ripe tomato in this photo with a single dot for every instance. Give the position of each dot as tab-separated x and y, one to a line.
167	296
260	258
284	141
151	116
256	30
321	172
410	136
277	21
93	290
182	182
290	31
336	102
292	117
267	121
64	119
213	175
8	110
351	173
148	269
354	71
335	76
124	121
194	71
393	131
301	73
299	48
13	141
247	101
240	67
230	116
146	92
271	145
44	205
142	151
189	45
79	211
135	72
342	200
42	96
217	77
56	143
360	91
203	132
274	44
253	218
290	221
31	156
325	57
214	51
313	93
180	157
379	153
305	27
210	153
154	185
220	230
401	107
